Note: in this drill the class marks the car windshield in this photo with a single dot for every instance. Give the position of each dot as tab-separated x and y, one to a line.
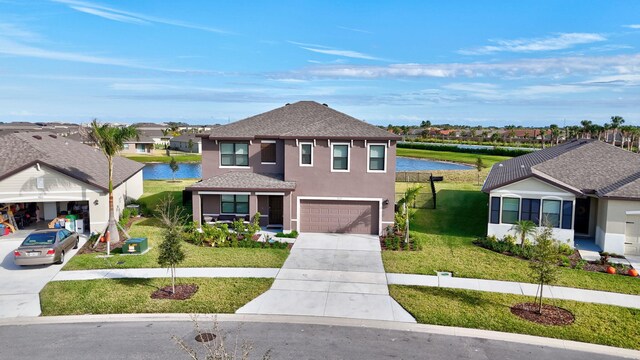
46	238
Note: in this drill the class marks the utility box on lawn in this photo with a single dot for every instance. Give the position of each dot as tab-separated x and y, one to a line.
135	246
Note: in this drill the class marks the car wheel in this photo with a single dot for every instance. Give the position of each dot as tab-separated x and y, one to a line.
76	245
61	258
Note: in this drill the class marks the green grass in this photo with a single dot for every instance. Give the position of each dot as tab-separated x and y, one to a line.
448	232
594	323
464	158
182	158
156	190
195	256
122	296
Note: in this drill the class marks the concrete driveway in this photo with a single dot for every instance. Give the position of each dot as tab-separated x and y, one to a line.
20	286
335	275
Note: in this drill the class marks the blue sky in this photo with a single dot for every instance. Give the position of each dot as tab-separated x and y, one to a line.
463	62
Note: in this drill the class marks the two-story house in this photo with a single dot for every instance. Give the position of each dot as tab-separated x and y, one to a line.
303	166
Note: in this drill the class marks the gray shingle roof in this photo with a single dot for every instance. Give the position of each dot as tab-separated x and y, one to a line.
141	139
187	136
66	156
244	180
304	119
583	166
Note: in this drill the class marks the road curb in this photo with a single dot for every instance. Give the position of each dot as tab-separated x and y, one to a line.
325	321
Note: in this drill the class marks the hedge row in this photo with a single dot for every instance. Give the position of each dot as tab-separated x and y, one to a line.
484	151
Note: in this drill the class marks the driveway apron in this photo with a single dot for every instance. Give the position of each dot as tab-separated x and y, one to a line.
333	275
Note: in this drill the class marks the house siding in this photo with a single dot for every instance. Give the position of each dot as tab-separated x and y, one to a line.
612	237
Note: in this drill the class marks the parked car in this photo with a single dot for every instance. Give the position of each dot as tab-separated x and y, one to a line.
45	247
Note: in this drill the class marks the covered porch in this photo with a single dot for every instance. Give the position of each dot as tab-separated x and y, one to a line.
241	195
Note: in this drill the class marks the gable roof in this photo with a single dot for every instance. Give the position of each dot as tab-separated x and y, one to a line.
69	157
583	166
186	136
304	119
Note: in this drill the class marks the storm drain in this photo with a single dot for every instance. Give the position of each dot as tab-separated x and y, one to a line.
205	337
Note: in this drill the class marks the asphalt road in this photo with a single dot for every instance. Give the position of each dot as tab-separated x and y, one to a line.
152	340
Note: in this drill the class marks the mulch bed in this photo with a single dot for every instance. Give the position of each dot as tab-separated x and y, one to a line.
551	315
183	292
102	246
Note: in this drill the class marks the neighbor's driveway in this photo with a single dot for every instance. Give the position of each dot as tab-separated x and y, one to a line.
20	286
336	275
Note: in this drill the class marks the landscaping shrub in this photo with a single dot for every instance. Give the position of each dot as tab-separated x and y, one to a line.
292	235
483	151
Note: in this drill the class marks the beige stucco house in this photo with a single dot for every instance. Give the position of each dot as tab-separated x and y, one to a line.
584	188
56	175
304	167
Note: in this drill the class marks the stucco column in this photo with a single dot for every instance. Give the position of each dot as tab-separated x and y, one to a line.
253	205
287	203
197	208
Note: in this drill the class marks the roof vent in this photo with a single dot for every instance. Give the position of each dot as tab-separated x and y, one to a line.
37	137
500	165
522	166
287	104
325	104
53	136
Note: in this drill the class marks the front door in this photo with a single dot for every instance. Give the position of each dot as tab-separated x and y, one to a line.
275	210
581	225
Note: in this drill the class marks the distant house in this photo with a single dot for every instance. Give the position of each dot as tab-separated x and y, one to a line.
141	145
187	142
583	188
304	167
60	176
159	137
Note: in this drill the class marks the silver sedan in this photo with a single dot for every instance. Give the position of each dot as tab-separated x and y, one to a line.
43	247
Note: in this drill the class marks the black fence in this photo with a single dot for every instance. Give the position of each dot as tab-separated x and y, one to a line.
426	198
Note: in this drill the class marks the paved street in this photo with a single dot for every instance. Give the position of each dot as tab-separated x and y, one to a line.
152	340
20	286
337	275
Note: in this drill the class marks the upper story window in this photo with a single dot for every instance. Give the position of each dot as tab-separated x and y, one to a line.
234	154
306	154
340	157
377	158
268	151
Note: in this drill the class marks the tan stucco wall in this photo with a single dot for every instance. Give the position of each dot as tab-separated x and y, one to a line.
132	149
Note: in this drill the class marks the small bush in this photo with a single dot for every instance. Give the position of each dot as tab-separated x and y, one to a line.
292	235
565	249
580	264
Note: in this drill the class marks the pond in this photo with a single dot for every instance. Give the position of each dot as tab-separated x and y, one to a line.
194	171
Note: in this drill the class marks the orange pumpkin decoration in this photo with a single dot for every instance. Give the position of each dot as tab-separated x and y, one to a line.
611	270
633	272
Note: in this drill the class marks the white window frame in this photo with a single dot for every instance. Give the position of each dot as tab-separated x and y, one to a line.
369	157
268	142
233	166
348	145
556	198
300	154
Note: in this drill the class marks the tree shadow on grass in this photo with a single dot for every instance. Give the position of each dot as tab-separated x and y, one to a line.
135	282
459	213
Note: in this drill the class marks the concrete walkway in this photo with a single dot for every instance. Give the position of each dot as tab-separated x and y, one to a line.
219	272
508	287
334	275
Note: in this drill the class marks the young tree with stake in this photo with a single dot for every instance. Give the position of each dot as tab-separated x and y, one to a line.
544	263
170	250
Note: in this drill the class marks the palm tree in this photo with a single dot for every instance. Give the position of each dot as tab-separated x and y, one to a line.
555	133
586	128
409	196
616	121
110	140
523	228
605	129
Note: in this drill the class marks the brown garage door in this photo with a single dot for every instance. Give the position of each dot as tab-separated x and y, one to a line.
357	217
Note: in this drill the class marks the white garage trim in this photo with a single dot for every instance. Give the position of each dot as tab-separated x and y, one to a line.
223	193
270	193
339	198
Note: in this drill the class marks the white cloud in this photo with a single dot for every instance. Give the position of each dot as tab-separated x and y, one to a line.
130	17
355	30
13	48
321	49
632	26
557	42
556	67
17	32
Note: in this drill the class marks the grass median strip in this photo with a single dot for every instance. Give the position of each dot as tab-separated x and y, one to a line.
124	296
448	232
594	323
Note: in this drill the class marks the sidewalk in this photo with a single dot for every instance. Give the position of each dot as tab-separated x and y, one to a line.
508	287
504	287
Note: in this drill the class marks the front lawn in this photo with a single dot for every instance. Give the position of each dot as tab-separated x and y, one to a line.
459	157
594	323
195	256
125	296
156	190
448	233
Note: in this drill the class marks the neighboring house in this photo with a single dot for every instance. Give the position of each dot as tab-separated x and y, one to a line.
188	142
140	145
56	175
303	166
583	188
159	137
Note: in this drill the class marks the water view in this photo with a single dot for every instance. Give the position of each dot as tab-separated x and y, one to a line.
194	171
